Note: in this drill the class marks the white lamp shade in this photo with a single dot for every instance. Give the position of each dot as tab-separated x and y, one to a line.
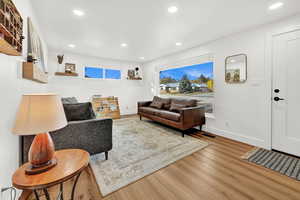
39	113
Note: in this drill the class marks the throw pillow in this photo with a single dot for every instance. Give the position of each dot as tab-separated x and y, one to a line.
79	111
186	102
166	102
176	107
69	100
156	104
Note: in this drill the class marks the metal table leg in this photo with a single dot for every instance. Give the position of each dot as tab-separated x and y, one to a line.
61	191
46	194
74	186
36	195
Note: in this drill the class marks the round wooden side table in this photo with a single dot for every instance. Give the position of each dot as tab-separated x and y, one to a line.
70	163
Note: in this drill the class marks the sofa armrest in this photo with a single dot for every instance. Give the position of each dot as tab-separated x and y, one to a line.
192	116
144	103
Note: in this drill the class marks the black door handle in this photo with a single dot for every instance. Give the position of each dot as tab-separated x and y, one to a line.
278	99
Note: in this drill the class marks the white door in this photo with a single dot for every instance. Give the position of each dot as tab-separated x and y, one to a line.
286	93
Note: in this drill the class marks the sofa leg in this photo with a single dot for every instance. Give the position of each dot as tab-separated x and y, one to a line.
200	128
106	155
182	133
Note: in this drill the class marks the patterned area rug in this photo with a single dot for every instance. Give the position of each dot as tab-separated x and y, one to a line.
284	164
139	149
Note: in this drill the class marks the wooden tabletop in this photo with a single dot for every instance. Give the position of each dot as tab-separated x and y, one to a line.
70	162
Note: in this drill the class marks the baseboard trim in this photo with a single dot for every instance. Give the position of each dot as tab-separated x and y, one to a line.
237	137
129	115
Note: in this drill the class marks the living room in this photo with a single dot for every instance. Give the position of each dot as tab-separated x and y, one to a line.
227	124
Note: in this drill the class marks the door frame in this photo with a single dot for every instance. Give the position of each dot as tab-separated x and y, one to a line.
269	76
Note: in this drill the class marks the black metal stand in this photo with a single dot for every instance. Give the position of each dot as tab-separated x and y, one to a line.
60	195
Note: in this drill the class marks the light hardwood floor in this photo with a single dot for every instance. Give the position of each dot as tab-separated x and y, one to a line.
214	173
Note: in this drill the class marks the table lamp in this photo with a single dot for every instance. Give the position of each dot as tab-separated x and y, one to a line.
39	114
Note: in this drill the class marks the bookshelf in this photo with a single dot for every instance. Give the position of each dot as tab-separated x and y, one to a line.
11	29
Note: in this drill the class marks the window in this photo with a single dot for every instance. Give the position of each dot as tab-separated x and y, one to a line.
93	72
112	74
195	81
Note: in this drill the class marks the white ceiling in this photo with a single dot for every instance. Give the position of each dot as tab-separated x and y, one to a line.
146	26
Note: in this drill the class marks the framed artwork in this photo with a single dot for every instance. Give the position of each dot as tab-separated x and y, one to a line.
236	69
131	74
70	68
35	48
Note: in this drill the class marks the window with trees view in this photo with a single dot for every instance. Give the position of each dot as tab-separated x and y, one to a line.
195	81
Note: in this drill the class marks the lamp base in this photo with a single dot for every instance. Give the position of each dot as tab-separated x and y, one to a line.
41	154
32	170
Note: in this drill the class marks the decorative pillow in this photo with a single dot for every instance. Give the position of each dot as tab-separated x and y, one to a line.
69	100
166	102
183	101
176	107
156	104
79	111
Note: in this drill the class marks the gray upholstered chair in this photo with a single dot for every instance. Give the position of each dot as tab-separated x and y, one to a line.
92	135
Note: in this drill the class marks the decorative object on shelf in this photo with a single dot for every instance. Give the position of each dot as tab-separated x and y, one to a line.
35	48
106	107
66	74
70	68
137	72
34	73
236	69
39	114
11	29
30	58
133	74
60	59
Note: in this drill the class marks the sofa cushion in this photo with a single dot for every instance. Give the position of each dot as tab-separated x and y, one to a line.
185	102
156	104
79	111
166	102
176	107
148	110
168	115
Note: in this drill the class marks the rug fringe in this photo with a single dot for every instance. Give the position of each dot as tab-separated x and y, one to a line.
250	153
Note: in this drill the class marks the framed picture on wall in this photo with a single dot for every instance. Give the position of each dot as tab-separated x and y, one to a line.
70	68
35	48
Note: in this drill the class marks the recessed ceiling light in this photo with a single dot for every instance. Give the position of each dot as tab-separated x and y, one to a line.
72	45
275	6
178	44
124	45
142	58
172	9
78	12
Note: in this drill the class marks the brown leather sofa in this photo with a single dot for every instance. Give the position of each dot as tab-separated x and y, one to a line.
179	113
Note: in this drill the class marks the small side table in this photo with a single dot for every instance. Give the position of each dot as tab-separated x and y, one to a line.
70	163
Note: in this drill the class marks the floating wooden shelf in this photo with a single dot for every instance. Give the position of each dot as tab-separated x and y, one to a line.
65	74
7	49
134	79
34	73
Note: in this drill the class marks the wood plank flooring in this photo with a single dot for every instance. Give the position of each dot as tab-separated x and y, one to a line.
214	173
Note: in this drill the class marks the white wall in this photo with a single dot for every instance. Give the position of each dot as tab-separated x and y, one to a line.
242	111
128	91
12	87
